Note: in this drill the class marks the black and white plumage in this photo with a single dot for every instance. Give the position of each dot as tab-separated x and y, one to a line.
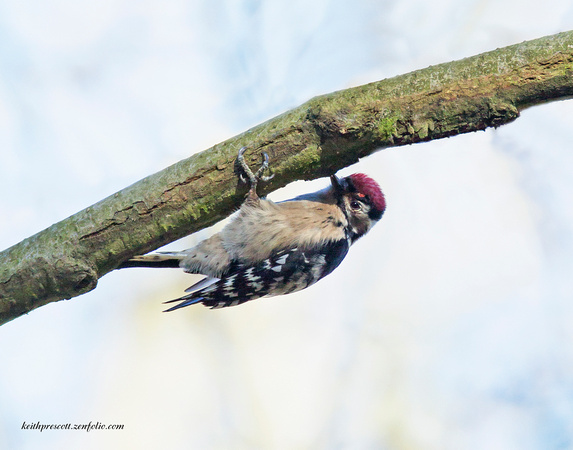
272	248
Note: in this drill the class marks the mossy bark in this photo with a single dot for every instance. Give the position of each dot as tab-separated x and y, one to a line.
316	139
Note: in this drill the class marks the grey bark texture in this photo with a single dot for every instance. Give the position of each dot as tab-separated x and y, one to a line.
316	139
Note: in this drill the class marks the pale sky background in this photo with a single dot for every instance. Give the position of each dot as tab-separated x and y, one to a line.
450	326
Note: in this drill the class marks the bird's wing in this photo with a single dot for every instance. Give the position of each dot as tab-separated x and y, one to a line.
284	272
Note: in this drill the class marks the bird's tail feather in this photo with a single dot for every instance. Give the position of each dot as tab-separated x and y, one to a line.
201	284
185	301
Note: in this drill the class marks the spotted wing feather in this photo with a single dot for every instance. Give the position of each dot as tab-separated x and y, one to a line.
284	272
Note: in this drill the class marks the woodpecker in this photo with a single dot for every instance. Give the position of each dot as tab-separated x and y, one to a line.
271	248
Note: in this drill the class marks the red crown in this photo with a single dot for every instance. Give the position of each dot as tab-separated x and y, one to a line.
367	186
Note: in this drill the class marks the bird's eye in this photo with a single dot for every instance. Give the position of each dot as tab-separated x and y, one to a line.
355	204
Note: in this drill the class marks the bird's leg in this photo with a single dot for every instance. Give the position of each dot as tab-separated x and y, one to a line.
253	178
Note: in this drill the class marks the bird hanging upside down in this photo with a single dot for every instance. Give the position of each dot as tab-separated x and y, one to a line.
272	248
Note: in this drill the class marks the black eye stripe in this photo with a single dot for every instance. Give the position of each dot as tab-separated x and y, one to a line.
375	214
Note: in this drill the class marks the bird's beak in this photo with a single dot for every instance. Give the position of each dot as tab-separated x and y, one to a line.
336	183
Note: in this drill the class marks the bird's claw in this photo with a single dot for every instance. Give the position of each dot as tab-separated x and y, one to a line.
247	175
264	166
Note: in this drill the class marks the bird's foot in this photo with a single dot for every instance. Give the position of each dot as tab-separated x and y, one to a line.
253	178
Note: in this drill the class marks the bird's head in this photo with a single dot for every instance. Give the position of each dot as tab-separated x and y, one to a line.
361	199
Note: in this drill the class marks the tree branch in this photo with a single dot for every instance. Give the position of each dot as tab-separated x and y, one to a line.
316	139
